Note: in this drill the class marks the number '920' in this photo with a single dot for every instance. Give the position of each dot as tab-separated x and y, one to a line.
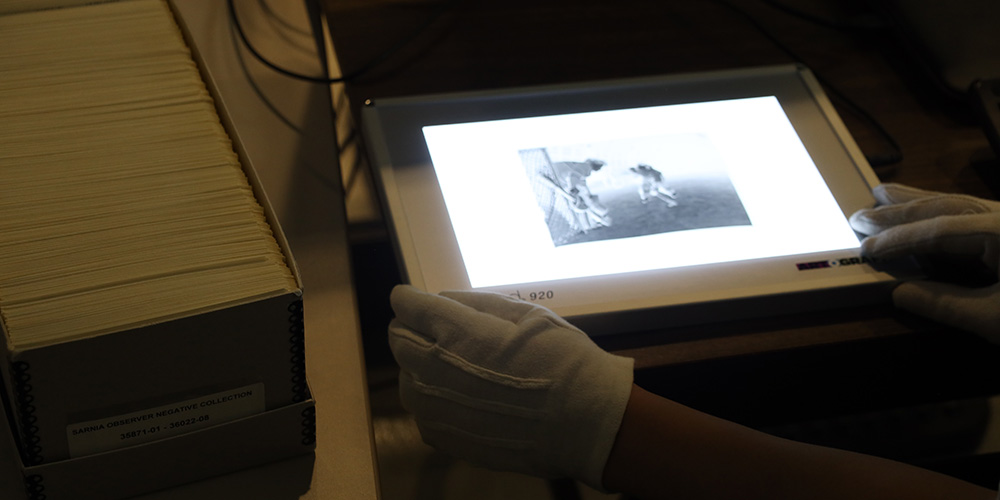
535	295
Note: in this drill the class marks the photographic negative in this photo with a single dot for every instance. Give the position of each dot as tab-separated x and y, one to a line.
632	187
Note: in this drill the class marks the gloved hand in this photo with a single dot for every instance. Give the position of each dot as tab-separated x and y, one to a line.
913	221
507	384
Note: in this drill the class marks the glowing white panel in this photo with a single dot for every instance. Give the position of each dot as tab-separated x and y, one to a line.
748	144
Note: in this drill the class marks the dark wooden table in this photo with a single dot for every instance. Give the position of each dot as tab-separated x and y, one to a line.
768	372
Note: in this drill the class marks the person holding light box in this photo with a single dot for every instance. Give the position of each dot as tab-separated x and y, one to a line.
509	385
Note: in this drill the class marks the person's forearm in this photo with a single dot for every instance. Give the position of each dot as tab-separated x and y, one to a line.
666	450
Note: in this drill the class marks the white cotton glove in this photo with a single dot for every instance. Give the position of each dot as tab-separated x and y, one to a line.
507	384
917	222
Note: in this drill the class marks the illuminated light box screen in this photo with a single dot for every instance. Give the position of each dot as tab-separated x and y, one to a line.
610	192
712	196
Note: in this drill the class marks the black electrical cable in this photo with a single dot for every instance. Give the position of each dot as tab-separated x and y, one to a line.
855	25
442	7
881	160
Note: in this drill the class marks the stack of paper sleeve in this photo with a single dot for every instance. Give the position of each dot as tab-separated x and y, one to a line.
122	202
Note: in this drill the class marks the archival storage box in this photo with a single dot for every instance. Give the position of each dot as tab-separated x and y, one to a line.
73	399
209	389
240	444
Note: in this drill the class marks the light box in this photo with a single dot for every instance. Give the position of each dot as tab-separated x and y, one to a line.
631	204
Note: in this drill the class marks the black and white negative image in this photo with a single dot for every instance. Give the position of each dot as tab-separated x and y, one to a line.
632	187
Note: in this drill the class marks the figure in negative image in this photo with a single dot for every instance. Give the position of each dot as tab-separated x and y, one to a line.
571	183
653	185
573	174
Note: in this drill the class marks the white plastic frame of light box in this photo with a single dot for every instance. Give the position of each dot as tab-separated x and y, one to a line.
745	215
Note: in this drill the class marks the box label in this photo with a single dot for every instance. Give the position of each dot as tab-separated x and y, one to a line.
120	431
